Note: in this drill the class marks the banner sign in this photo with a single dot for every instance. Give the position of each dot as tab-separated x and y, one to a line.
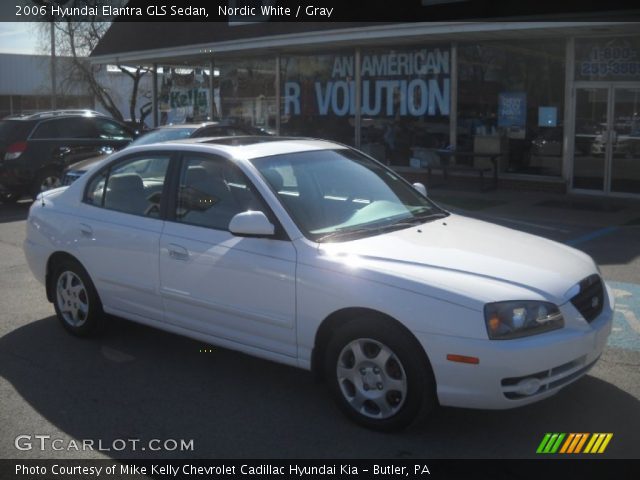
414	83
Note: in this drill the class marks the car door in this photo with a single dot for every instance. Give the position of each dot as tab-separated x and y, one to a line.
238	289
119	226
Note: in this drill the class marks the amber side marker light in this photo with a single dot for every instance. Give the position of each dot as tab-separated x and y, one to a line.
462	359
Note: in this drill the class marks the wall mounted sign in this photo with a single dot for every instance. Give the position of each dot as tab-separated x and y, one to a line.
408	83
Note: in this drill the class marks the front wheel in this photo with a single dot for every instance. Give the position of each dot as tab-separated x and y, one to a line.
76	301
46	180
379	375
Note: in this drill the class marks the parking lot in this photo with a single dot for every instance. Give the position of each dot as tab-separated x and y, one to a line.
136	382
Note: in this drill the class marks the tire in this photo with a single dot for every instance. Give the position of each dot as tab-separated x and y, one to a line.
75	299
378	374
46	180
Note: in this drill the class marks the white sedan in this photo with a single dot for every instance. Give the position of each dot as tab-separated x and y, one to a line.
312	254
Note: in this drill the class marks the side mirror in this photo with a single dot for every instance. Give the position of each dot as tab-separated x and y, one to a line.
251	224
421	188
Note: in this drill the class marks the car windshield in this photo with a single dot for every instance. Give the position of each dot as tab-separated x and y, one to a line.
338	195
163	135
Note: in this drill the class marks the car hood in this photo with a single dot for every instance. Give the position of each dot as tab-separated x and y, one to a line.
472	258
84	165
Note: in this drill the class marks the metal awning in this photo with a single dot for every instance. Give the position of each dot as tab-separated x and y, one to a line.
368	35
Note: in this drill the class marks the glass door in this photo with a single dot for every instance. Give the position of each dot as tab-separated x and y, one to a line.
590	141
607	139
625	140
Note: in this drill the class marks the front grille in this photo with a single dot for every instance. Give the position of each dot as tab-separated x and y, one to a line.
590	300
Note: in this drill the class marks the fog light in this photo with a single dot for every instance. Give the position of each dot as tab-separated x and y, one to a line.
528	386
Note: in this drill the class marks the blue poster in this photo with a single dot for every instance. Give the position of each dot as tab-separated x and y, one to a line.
547	117
512	109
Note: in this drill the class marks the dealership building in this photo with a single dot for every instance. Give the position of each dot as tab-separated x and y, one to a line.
554	105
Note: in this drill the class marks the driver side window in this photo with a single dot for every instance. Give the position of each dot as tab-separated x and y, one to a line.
212	191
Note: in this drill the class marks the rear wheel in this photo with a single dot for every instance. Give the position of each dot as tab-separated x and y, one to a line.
378	374
76	301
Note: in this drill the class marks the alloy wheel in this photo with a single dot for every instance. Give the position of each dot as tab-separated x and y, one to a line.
371	378
72	299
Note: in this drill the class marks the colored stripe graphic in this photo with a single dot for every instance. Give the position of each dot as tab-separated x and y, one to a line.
574	443
550	443
598	442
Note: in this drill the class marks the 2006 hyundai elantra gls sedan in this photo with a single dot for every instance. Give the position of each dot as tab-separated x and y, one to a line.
312	254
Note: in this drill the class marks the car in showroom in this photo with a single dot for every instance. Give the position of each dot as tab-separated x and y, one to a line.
35	149
167	133
312	254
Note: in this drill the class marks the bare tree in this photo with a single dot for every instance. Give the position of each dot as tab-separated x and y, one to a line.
76	38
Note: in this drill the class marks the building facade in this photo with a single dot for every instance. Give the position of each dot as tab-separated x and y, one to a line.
558	103
25	85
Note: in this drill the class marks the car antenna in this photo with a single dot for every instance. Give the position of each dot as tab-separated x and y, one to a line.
42	195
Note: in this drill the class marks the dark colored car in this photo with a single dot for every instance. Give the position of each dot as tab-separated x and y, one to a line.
36	149
170	133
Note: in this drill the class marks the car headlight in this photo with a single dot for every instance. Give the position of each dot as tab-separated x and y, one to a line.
516	319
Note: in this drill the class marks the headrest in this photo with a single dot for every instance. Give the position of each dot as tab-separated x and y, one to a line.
125	182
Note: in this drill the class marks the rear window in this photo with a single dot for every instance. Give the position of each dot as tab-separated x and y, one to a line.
14	130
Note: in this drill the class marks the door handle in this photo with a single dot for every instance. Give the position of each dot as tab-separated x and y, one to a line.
62	151
86	229
178	252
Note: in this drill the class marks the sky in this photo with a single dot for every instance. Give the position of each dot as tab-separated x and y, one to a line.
19	37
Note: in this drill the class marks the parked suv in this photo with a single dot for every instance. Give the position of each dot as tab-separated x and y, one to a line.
35	149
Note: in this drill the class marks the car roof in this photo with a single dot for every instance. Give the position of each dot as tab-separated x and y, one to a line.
249	147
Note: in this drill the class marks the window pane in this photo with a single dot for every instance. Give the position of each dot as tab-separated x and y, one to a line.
211	192
405	103
136	186
111	130
47	130
511	103
76	128
317	96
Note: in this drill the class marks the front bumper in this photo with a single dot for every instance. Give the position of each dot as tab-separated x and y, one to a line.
554	359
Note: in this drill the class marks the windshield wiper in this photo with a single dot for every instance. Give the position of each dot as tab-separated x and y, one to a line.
398	224
414	221
432	216
346	232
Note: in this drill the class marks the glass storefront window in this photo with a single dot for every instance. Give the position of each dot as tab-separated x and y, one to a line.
607	59
406	96
248	91
511	102
318	96
184	94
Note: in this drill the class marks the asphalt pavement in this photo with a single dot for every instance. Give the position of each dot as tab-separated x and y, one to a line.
136	382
